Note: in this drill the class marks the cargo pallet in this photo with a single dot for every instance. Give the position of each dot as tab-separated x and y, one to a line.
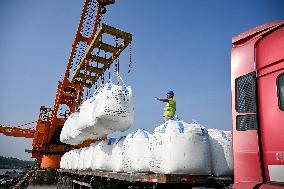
104	179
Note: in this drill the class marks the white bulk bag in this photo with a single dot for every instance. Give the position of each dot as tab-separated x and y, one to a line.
62	161
78	137
156	156
84	127
79	125
101	159
135	152
88	154
65	160
87	117
75	159
110	109
116	155
114	108
69	134
68	160
221	152
65	134
179	147
81	158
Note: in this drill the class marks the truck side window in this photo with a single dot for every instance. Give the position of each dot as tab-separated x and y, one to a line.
280	83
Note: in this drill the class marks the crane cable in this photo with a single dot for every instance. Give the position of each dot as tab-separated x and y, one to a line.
130	58
117	59
108	69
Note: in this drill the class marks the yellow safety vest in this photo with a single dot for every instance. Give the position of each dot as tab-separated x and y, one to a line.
170	109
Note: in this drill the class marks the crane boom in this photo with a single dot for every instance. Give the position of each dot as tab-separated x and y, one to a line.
17	132
86	74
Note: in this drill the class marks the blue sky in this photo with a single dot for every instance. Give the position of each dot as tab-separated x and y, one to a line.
182	46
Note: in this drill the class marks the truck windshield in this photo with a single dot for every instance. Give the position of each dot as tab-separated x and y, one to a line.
281	91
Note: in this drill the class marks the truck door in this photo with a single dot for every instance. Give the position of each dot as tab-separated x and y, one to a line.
270	89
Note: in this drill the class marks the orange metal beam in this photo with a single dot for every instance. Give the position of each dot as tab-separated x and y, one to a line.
17	132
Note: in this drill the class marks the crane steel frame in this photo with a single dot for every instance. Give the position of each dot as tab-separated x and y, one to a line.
46	144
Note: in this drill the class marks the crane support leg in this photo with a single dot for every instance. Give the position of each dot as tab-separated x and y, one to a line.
50	161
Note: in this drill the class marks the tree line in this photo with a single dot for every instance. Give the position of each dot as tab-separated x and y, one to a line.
14	163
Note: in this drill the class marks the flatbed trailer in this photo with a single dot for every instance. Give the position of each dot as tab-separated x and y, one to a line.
106	179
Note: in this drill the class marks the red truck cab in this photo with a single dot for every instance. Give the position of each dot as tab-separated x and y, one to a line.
257	87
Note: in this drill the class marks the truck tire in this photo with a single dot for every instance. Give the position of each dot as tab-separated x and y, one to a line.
64	182
59	183
68	182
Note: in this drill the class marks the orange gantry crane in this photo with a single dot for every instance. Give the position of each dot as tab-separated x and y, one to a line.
89	59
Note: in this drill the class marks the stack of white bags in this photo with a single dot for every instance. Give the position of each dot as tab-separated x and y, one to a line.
173	147
109	109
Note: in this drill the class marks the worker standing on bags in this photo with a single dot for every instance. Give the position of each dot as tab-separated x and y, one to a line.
170	109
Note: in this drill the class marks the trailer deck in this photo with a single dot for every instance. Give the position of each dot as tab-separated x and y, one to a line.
149	177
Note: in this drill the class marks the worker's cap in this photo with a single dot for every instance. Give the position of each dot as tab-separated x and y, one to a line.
171	93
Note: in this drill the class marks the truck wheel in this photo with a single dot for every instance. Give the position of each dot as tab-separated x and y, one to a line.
64	184
60	183
68	183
